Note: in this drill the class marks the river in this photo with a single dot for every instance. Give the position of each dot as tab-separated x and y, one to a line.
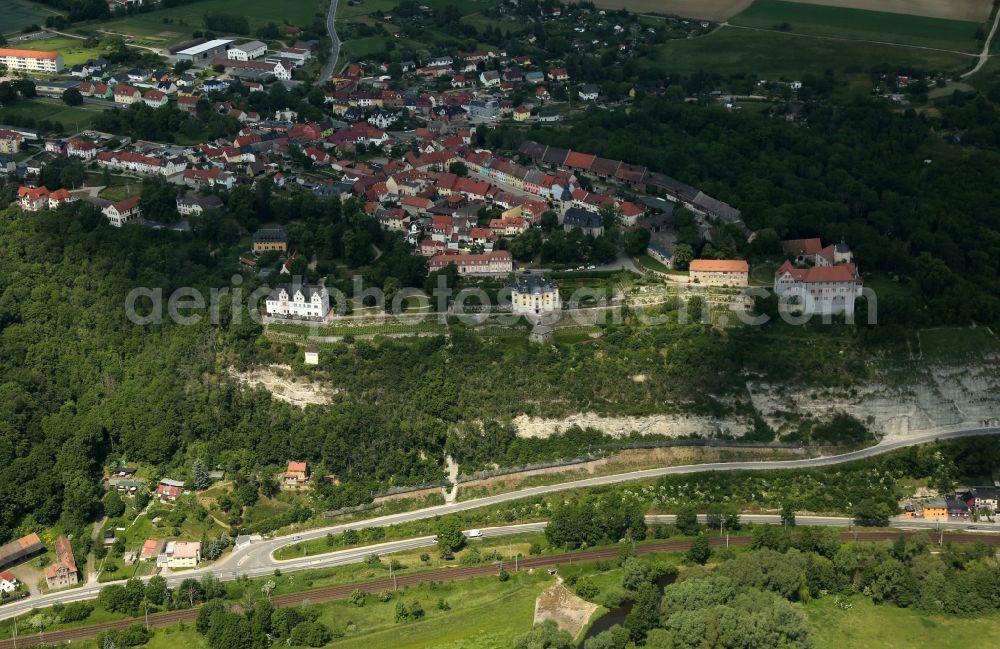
618	614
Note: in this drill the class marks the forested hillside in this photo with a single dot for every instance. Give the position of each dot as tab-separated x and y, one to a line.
910	200
84	387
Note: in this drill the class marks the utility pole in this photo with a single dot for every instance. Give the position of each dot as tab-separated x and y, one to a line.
147	615
15	633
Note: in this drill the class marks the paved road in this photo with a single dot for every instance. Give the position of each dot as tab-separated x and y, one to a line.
331	64
984	56
258	559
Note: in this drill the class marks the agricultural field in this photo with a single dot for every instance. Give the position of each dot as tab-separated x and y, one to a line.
887	627
714	10
857	24
771	55
973	10
166	27
18	14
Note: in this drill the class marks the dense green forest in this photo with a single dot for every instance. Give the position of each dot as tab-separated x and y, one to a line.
914	195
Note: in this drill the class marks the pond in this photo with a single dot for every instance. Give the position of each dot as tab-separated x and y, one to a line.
618	614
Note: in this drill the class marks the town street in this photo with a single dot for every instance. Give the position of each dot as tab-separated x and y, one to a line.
331	64
258	559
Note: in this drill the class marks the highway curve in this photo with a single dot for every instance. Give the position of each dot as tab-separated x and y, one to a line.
343	591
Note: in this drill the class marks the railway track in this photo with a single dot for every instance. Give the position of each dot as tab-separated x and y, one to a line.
168	618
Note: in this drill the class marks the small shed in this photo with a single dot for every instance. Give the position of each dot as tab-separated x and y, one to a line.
312	355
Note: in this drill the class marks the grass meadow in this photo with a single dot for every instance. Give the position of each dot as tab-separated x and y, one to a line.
734	51
858	24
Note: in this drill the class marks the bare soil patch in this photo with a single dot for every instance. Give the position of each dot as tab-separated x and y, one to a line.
714	10
279	381
973	10
570	612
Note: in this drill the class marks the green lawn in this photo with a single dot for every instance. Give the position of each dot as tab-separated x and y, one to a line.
73	50
652	264
774	55
484	613
887	627
859	24
73	118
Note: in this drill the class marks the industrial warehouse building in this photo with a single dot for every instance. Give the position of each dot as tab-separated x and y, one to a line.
204	52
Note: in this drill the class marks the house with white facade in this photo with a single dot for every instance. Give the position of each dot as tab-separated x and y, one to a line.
189	203
124	211
819	289
298	301
533	294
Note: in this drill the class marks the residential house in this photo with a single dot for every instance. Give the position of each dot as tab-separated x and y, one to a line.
297	473
189	203
154	98
588	92
168	489
10	141
498	262
987	498
489	78
61	572
126	94
85	149
522	113
590	222
719	272
180	554
487	109
124	211
60	197
33	199
8	582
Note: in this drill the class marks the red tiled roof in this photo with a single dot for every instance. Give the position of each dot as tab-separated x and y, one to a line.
720	265
802	246
29	54
577	160
841	273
